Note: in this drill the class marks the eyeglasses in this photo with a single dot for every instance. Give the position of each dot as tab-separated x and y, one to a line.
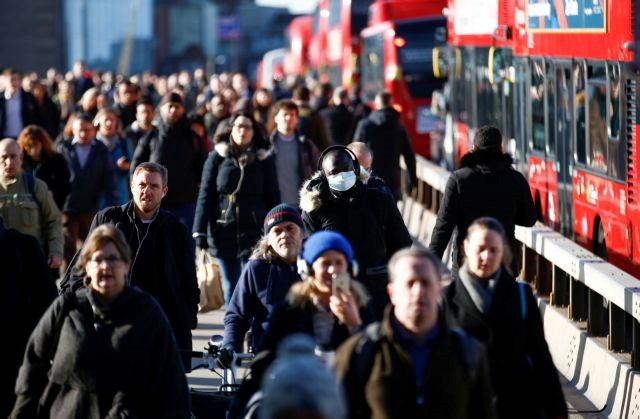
110	260
244	126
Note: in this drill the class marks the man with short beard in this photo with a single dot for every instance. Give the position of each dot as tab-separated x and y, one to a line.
266	278
162	253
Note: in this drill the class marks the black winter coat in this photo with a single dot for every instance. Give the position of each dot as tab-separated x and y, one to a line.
88	183
485	186
53	170
178	148
233	228
384	133
524	378
90	360
339	122
171	263
27	291
164	267
369	219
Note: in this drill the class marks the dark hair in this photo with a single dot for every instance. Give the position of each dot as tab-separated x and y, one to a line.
145	100
286	104
491	224
416	253
301	93
152	168
385	98
195	117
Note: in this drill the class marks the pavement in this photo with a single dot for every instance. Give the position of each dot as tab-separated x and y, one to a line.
205	381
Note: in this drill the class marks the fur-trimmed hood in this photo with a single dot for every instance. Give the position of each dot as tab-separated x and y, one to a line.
300	294
486	160
313	190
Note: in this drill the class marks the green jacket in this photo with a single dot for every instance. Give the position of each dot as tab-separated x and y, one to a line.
384	386
36	216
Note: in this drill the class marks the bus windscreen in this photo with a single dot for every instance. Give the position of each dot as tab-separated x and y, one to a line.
415	41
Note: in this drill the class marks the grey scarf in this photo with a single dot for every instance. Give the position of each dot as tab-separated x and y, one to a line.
480	295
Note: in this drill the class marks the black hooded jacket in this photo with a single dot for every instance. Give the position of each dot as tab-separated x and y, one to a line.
234	225
178	148
163	266
485	186
383	132
87	359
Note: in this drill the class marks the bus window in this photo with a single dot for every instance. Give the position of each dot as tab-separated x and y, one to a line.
597	111
552	114
469	93
486	91
519	111
617	149
335	12
415	55
459	109
372	76
580	109
537	104
614	109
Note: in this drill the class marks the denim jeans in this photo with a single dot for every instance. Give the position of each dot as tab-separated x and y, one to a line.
230	270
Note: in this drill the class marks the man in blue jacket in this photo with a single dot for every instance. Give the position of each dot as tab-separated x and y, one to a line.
266	279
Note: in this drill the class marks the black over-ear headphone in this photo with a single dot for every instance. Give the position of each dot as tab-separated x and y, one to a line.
354	159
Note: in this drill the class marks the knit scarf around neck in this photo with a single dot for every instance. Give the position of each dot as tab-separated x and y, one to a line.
481	296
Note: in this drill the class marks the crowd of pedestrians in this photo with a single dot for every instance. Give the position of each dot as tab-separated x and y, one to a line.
109	184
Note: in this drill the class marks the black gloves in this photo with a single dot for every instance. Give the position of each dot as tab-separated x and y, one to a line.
225	356
201	242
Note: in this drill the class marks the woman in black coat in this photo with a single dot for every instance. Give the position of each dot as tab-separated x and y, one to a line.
44	162
106	350
239	184
488	303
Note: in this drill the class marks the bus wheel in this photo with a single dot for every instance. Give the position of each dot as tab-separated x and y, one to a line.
600	244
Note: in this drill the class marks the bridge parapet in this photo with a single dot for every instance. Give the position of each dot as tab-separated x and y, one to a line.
590	298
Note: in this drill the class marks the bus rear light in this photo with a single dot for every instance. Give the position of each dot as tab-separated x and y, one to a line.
400	42
393	73
397	107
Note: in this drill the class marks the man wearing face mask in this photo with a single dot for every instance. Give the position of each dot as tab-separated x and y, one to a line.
336	198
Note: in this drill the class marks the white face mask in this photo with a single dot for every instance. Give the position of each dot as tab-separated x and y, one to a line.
342	181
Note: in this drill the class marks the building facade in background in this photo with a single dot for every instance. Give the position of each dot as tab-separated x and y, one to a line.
132	36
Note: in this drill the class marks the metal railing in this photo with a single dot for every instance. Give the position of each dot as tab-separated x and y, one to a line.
604	296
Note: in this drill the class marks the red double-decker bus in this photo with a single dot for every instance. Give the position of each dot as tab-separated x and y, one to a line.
338	28
298	36
479	37
563	87
397	51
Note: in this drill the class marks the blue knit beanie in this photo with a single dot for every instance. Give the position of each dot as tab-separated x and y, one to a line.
280	213
323	241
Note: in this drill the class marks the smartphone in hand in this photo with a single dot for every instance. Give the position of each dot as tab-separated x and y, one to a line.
340	281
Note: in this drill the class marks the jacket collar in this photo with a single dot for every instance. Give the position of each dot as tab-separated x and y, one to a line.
129	209
315	189
484	159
